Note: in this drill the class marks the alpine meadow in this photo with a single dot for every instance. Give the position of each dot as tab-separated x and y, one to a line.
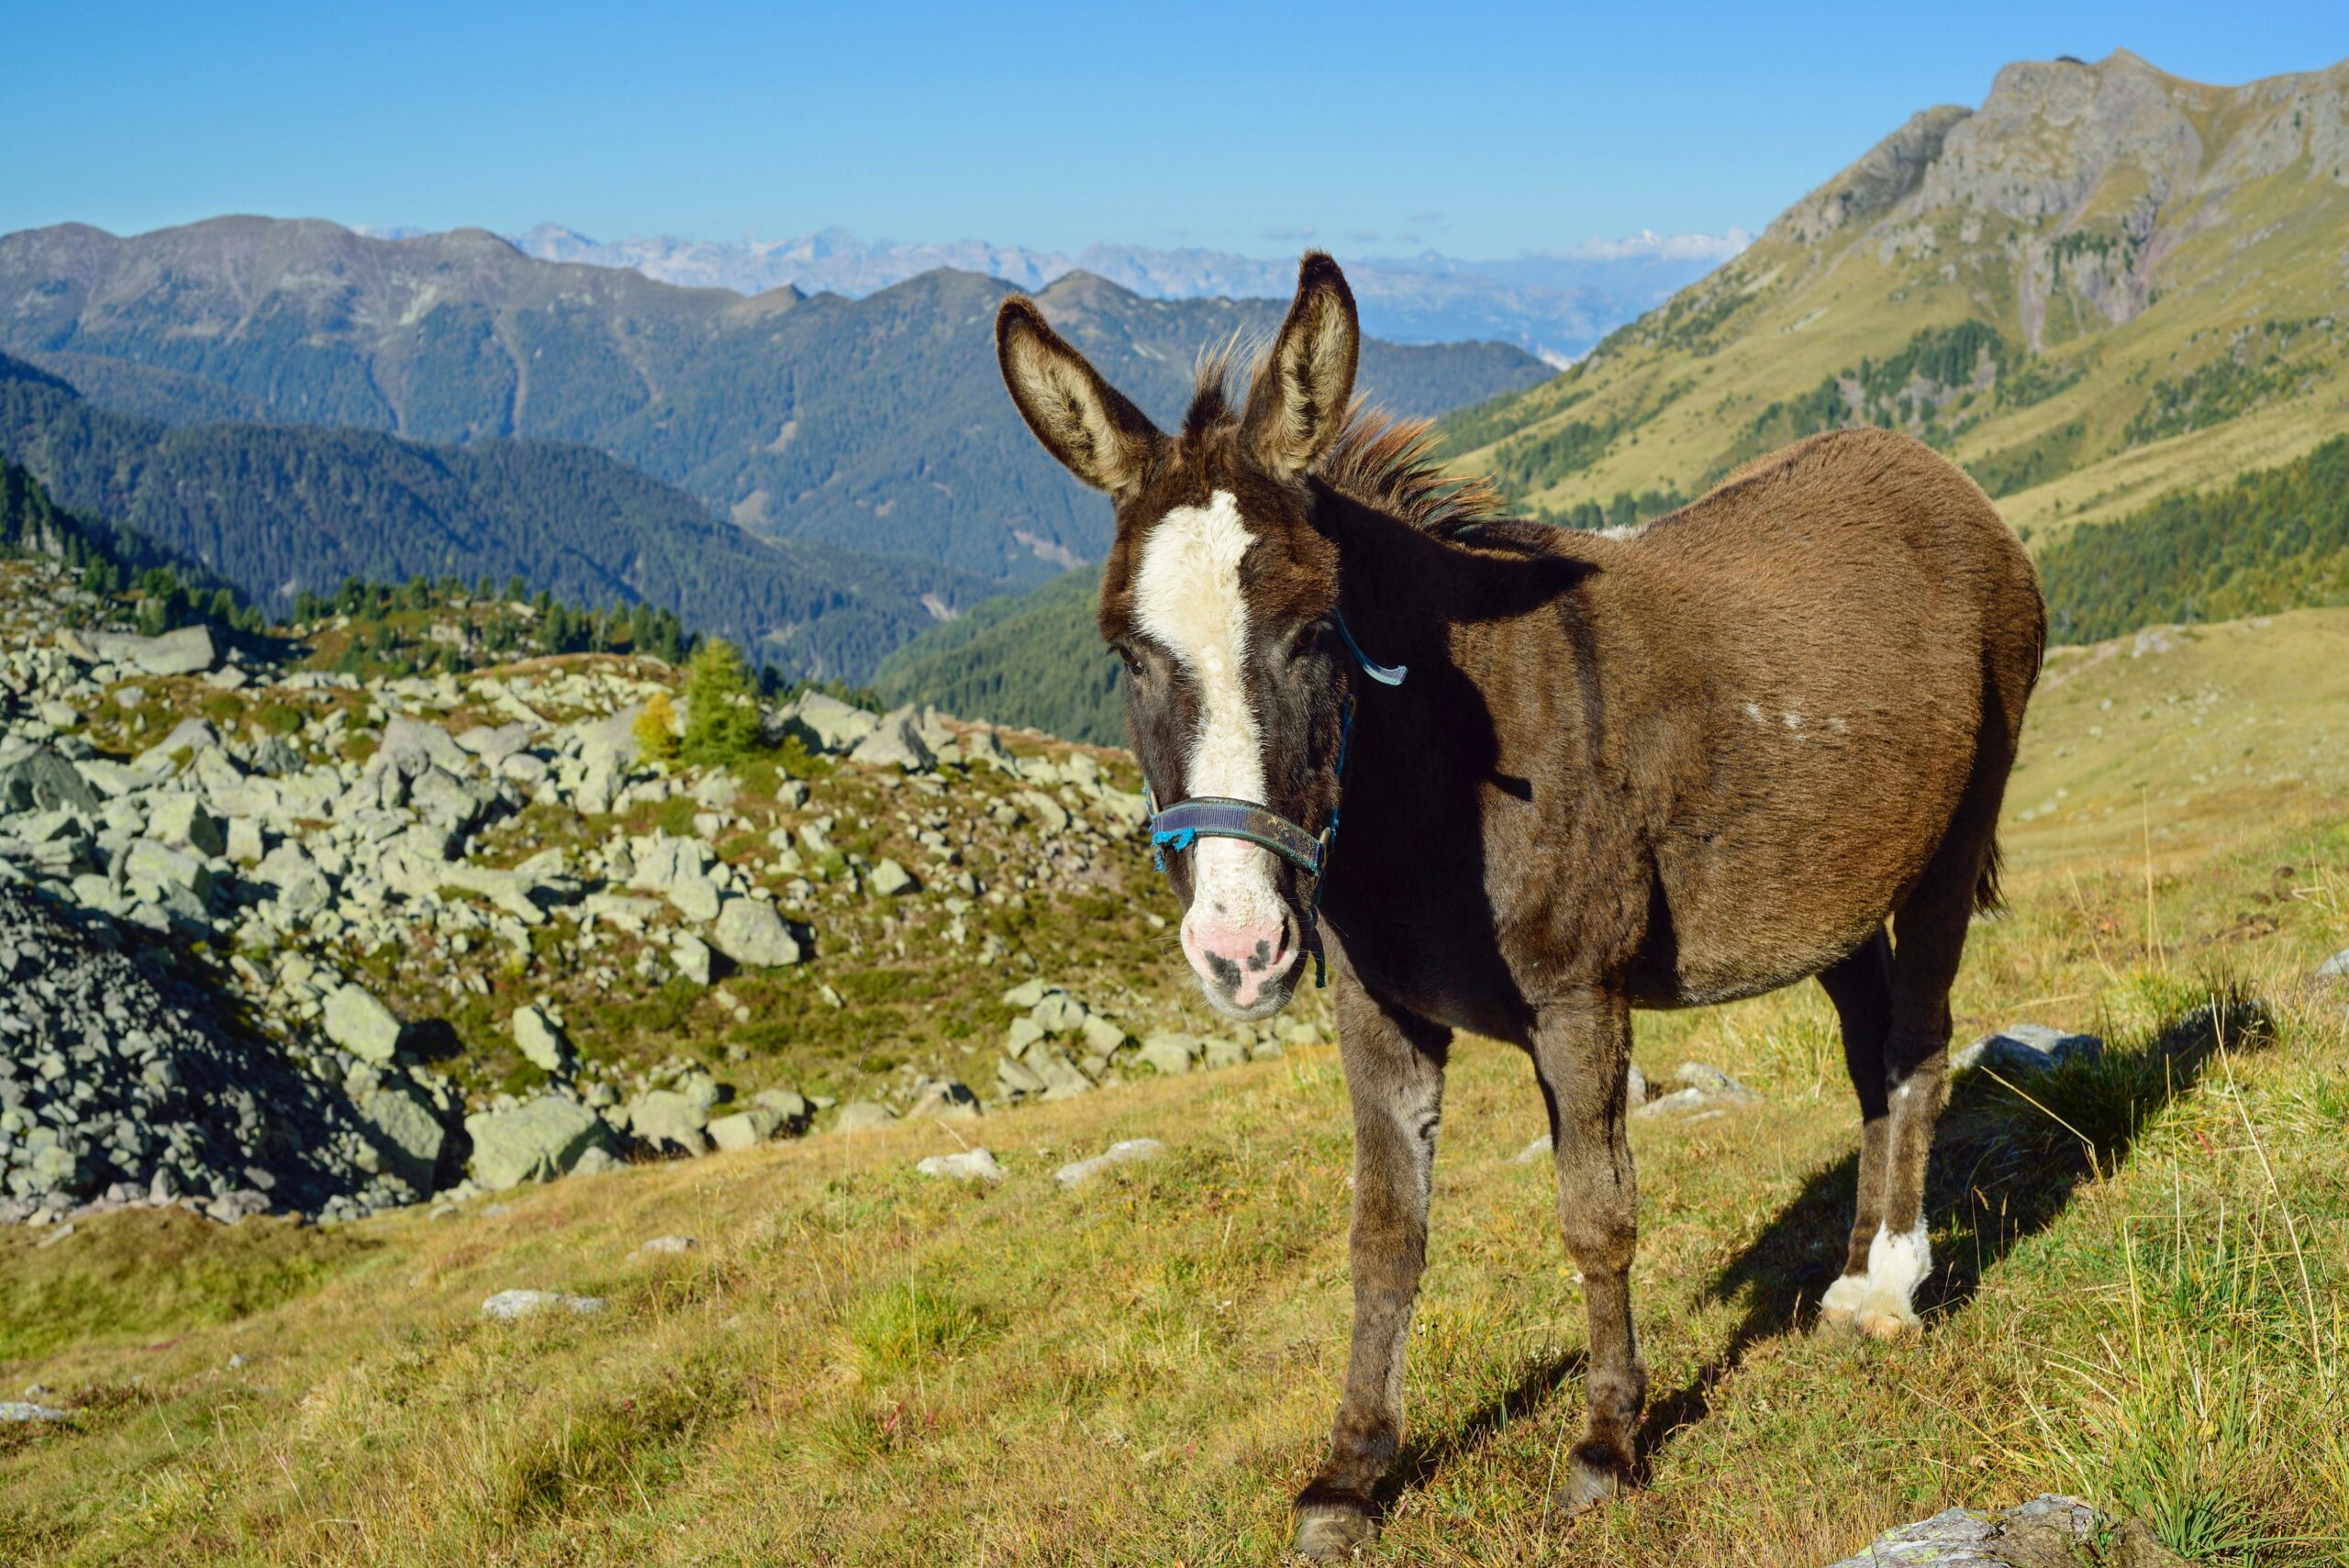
1061	909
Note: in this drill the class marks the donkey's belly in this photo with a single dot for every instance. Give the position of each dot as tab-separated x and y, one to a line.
1761	887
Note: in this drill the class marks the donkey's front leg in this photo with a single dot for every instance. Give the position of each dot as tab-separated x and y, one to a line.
1394	1065
1582	1048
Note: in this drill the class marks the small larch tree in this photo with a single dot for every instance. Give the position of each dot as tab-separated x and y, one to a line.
721	706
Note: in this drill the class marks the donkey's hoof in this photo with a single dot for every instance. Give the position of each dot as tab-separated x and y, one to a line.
1838	1320
1327	1533
1887	1326
1592	1479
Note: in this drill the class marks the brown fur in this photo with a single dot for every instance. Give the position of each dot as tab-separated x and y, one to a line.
1660	771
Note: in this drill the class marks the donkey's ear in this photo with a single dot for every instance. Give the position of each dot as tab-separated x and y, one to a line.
1298	403
1082	420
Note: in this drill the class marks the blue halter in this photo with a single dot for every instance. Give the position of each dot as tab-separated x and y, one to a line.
1185	822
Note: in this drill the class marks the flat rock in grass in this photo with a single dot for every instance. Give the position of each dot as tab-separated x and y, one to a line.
1025	995
970	1165
1695	1087
1124	1153
668	1244
2334	968
2048	1531
507	1305
862	1116
2026	1047
362	1026
890	879
25	1410
187	652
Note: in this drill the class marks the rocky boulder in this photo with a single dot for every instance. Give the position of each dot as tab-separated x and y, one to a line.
536	1141
754	936
187	652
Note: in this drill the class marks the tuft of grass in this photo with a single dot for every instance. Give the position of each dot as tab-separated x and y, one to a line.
901	1331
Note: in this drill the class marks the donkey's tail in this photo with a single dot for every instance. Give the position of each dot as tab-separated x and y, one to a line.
1988	897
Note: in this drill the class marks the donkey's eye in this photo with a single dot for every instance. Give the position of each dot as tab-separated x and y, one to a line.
1308	637
1132	660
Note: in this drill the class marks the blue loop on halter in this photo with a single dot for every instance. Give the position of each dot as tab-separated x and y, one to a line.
1184	824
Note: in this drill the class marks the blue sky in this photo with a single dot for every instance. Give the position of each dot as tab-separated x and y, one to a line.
1373	127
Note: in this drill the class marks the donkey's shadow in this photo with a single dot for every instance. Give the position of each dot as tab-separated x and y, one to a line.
2004	1169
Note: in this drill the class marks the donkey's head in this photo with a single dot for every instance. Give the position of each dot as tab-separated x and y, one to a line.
1221	594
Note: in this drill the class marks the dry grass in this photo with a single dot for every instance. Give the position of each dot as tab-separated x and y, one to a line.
2141	1266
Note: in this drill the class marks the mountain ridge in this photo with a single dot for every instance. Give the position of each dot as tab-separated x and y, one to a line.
876	425
2145	278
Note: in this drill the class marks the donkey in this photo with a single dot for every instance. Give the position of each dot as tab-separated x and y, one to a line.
1659	767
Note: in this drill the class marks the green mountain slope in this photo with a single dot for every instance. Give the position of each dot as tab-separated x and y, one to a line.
278	509
2105	284
876	424
1035	659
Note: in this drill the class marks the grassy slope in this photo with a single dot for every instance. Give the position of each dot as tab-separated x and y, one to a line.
1682	385
858	1365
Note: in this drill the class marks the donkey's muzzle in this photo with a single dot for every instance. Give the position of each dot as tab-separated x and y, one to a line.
1248	968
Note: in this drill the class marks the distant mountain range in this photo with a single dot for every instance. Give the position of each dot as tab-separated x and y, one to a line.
877	425
1555	304
279	508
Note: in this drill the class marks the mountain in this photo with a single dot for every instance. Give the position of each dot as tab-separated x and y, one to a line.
276	509
2105	284
1034	660
876	425
1554	304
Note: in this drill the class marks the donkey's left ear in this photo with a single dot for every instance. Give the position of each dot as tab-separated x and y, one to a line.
1298	400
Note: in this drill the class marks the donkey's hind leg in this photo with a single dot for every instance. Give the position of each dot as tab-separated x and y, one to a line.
1928	940
1861	988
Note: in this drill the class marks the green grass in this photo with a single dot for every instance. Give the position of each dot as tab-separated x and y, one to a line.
2140	1266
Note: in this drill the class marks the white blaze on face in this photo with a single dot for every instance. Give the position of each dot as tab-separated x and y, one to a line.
1187	599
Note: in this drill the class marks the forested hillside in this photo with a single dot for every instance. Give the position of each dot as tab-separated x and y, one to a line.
1036	659
876	424
279	510
2273	540
2104	285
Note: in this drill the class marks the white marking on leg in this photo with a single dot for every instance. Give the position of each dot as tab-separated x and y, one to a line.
1187	599
1881	1301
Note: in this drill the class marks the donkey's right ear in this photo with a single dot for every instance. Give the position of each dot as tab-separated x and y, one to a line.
1082	420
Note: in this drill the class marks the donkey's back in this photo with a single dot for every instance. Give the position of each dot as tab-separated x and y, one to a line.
1852	632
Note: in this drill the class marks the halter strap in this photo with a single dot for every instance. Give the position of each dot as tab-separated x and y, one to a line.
1184	824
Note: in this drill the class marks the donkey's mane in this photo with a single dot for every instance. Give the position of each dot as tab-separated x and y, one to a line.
1381	459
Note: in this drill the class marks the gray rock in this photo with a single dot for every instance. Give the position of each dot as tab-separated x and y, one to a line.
1102	1038
671	1244
25	1410
182	822
970	1165
753	935
890	879
163	866
407	1130
2334	968
2026	1047
1225	1052
670	1118
541	1041
746	1128
1025	995
946	1099
1170	1053
2047	1531
862	1116
692	957
508	1304
1123	1153
187	652
361	1025
895	741
39	779
792	1106
1059	1013
828	724
535	1141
